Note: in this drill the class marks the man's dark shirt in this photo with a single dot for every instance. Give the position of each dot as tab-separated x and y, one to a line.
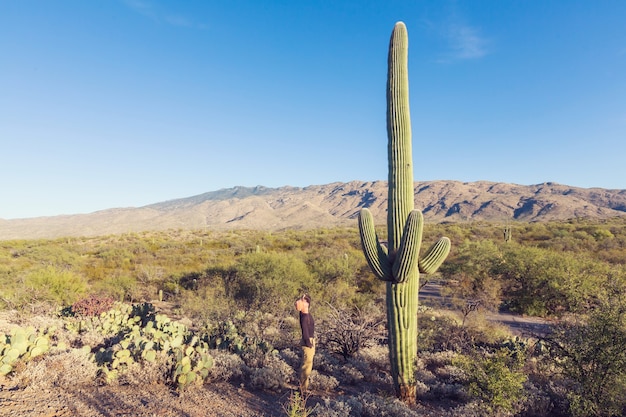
308	329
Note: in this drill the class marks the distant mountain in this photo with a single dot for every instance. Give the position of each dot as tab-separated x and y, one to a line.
329	205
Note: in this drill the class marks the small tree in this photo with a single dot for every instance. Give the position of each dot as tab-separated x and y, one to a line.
591	354
475	287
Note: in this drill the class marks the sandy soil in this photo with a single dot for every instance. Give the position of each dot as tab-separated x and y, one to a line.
217	399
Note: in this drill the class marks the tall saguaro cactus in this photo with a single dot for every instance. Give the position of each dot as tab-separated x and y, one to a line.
399	264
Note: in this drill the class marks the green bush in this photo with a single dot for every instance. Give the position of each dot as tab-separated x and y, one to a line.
496	379
542	282
270	282
590	353
473	273
55	284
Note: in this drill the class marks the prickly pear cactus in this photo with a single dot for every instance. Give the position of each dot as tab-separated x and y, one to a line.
146	336
22	344
399	264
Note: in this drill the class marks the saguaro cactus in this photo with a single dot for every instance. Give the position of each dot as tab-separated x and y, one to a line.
399	264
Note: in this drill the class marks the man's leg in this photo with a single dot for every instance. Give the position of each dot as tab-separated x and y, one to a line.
307	366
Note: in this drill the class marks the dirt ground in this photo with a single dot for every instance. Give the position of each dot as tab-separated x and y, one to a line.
216	399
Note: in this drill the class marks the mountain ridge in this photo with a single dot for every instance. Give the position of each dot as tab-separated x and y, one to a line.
330	205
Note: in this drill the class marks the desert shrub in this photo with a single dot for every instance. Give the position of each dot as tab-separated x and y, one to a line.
60	286
323	382
340	271
330	370
443	332
272	328
351	374
341	406
376	356
274	376
290	356
208	302
121	287
421	389
329	264
117	256
541	282
591	356
327	363
230	335
438	390
487	332
424	375
472	271
538	402
496	379
346	331
377	406
367	366
439	377
269	282
351	371
91	306
66	369
450	374
227	366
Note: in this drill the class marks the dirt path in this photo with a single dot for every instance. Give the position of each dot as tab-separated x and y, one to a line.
520	325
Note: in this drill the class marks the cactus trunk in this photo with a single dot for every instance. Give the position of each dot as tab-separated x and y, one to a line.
399	151
402	296
402	336
399	263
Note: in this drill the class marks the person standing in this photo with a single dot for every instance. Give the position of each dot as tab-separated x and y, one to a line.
307	325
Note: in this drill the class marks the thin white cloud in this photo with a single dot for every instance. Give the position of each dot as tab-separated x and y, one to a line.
466	42
178	21
462	42
142	7
149	10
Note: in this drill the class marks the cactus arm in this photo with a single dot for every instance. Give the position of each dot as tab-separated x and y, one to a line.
375	253
406	261
435	256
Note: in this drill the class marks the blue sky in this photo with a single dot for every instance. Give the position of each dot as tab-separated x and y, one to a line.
124	103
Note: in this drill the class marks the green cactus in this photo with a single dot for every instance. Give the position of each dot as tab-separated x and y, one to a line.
145	337
399	264
507	233
22	344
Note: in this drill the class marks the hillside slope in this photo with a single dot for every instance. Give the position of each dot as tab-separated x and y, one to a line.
329	205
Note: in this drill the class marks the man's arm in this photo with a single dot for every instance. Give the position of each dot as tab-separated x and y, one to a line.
307	330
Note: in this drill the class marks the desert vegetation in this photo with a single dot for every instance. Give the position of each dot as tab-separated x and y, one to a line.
187	309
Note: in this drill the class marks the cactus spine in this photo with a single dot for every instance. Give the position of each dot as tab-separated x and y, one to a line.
399	264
